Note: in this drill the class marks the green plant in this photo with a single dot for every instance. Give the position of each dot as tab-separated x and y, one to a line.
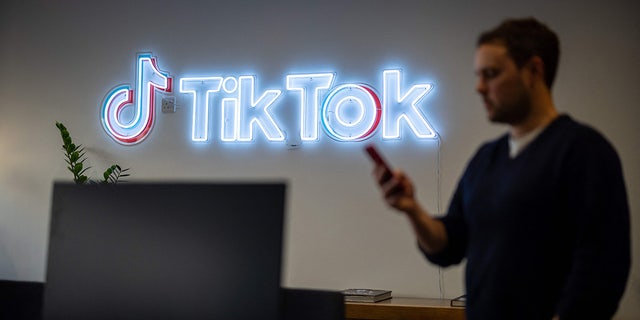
75	158
114	173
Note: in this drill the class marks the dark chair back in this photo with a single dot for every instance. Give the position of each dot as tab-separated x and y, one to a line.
308	304
21	300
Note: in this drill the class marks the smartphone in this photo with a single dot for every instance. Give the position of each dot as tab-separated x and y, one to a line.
378	159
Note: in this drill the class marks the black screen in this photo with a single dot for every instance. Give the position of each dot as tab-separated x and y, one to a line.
165	251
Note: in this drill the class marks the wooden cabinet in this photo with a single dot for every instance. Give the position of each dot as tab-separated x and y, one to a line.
404	309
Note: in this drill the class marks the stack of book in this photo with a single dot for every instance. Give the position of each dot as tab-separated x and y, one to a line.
366	295
460	301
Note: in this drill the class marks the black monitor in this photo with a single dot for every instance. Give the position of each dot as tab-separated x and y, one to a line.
165	251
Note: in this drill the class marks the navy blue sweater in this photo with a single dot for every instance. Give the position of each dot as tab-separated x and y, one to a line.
544	233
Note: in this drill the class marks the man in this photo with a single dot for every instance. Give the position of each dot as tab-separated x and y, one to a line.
541	213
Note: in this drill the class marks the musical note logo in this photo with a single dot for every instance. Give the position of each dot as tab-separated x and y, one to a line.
128	115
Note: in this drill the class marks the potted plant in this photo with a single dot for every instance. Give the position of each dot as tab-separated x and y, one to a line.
75	158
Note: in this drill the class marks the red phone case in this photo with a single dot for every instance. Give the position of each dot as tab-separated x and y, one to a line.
377	158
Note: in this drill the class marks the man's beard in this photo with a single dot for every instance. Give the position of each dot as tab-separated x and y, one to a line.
513	113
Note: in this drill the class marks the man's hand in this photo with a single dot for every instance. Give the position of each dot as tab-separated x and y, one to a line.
398	192
397	189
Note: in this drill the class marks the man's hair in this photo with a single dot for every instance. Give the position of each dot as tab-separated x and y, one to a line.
525	38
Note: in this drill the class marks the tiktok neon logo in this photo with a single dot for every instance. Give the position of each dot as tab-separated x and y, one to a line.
346	112
237	108
140	120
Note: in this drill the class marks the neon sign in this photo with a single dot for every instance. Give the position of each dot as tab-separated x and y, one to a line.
346	112
148	79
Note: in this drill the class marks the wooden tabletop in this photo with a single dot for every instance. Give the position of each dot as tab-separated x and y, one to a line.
404	309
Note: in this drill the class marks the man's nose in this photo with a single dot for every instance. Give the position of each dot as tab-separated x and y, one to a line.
481	86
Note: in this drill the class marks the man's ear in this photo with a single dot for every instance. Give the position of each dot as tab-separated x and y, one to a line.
536	67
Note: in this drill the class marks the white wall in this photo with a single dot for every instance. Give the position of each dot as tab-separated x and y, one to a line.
58	59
